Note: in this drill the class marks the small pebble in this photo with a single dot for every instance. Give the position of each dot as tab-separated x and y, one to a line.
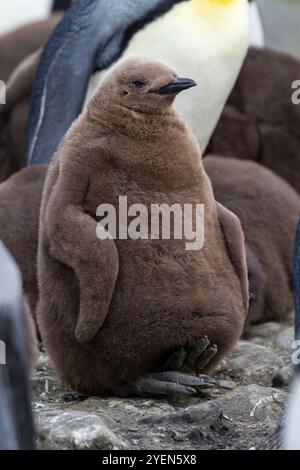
283	377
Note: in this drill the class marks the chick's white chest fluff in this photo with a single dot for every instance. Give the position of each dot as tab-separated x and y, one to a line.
206	40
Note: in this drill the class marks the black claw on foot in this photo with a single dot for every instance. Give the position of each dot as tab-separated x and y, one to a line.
205	358
162	384
192	359
177	374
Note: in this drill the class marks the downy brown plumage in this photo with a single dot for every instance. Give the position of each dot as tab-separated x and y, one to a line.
269	209
110	309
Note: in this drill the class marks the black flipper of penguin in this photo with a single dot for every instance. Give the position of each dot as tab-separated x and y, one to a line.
92	34
16	424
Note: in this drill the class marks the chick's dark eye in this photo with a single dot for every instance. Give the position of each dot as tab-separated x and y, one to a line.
139	83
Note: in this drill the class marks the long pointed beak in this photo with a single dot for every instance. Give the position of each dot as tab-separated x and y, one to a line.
179	85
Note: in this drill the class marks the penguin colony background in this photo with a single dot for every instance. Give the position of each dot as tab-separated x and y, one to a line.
248	134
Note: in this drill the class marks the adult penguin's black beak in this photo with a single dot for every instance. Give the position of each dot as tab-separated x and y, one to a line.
179	85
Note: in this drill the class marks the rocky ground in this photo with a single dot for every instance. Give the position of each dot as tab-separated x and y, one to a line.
243	415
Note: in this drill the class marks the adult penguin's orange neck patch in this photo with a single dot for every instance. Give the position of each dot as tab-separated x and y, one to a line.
222	2
212	9
215	2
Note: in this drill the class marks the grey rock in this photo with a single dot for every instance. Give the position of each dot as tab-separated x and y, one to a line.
252	404
75	430
252	363
255	413
207	414
285	339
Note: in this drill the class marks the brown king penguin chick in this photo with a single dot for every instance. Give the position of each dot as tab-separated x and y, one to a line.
20	199
14	116
269	209
113	311
16	45
260	121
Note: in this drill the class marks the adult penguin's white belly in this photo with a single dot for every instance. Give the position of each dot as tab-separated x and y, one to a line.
291	434
206	40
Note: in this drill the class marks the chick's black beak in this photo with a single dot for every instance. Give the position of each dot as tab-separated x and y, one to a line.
180	84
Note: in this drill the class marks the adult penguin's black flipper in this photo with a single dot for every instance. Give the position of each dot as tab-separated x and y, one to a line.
16	425
91	36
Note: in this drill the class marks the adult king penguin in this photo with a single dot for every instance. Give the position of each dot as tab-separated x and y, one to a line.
291	435
16	425
206	39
